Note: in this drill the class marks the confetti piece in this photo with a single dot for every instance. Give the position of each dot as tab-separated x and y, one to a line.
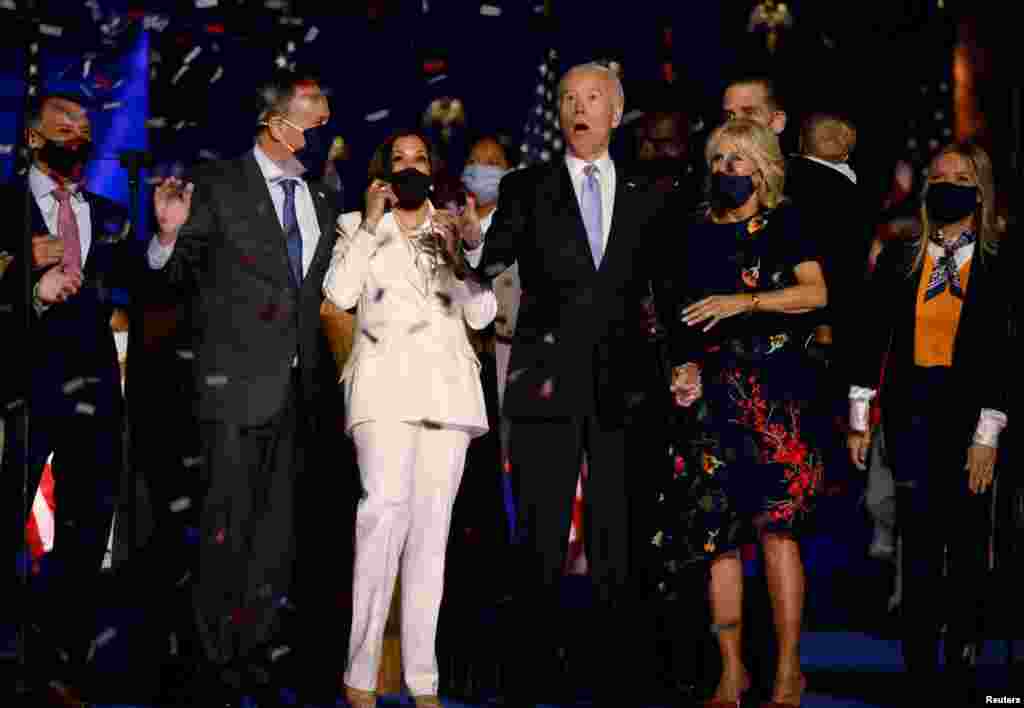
216	380
179	505
285	603
369	336
192	55
437	79
632	116
172	641
184	578
178	75
377	115
100	641
431	424
490	11
111	106
549	338
156	123
277	652
445	299
192	461
219	536
293	21
547	389
85	408
51	30
274	4
418	327
217	75
514	375
311	34
74	385
379	295
186	354
204	4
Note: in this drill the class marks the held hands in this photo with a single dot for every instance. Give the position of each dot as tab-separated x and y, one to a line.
686	385
717	308
468	224
446	228
859	443
172	200
981	463
379	197
58	284
46	251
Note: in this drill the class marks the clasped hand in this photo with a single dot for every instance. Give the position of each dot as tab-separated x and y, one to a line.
172	202
686	385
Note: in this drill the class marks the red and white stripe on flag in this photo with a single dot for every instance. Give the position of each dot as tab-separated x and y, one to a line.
41	528
576	559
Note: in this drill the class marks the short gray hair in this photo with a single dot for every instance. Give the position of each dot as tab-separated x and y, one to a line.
600	68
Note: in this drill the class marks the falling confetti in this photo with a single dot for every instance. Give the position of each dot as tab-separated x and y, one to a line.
181	504
377	116
490	11
277	652
219	536
419	326
379	295
549	338
172	641
15	404
99	642
73	385
216	380
85	408
368	335
192	461
184	579
547	389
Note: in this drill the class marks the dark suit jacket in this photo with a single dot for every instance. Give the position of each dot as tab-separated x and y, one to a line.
577	326
248	320
981	368
70	340
836	214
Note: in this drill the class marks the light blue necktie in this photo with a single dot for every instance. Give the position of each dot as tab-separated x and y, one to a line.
290	224
591	203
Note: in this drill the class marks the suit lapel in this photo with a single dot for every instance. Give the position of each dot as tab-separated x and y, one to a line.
255	192
572	214
623	193
324	217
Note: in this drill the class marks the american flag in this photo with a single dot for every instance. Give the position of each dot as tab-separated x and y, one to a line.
542	137
931	115
41	527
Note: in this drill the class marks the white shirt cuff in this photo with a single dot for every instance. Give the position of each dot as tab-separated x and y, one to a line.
990	424
158	254
860	407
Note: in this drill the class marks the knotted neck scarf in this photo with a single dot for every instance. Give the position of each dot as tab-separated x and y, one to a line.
946	274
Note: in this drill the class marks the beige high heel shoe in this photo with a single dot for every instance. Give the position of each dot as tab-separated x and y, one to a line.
358	698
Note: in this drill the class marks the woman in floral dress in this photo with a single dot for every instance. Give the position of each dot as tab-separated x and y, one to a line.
746	467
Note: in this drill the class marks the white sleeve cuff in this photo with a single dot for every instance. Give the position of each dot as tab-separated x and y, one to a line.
158	254
860	407
990	424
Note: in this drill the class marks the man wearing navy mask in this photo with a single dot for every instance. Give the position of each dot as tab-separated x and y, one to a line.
247	243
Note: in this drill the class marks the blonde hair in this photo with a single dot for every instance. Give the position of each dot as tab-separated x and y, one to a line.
985	225
761	146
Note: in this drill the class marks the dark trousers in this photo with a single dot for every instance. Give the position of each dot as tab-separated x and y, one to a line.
940	521
547	456
247	531
86	469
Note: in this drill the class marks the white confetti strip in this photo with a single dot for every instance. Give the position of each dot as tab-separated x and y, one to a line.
277	652
179	505
204	4
111	105
490	11
438	78
549	338
217	74
33	70
192	461
184	578
85	409
86	67
156	123
74	385
377	115
172	641
179	74
632	116
291	47
216	380
312	34
6	149
196	51
51	30
99	642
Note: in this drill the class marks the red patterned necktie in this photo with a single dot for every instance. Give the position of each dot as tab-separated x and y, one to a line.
67	231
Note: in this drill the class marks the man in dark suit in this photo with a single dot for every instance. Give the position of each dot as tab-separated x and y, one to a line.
249	241
69	372
578	230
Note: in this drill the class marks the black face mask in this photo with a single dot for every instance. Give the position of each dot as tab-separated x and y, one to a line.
730	191
66	161
313	155
411	187
948	203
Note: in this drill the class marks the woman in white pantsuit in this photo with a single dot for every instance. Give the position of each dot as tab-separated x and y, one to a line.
413	401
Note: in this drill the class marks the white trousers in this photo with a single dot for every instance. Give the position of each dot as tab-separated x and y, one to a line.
410	476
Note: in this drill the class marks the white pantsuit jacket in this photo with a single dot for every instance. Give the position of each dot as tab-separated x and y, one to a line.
411	360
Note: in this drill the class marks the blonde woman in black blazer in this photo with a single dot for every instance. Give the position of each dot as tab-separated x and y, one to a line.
938	305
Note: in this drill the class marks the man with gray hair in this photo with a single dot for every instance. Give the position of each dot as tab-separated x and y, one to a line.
579	230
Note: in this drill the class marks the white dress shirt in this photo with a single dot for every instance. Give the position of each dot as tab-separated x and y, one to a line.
841	167
305	214
606	176
43	186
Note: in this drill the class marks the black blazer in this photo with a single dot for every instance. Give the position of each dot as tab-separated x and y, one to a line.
248	320
70	340
836	215
981	370
578	326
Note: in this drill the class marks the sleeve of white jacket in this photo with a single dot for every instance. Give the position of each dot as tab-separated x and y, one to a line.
350	262
479	305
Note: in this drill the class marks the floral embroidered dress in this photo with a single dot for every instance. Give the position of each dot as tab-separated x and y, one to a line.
744	456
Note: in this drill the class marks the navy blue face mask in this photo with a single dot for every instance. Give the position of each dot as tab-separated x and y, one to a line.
312	155
947	203
730	191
